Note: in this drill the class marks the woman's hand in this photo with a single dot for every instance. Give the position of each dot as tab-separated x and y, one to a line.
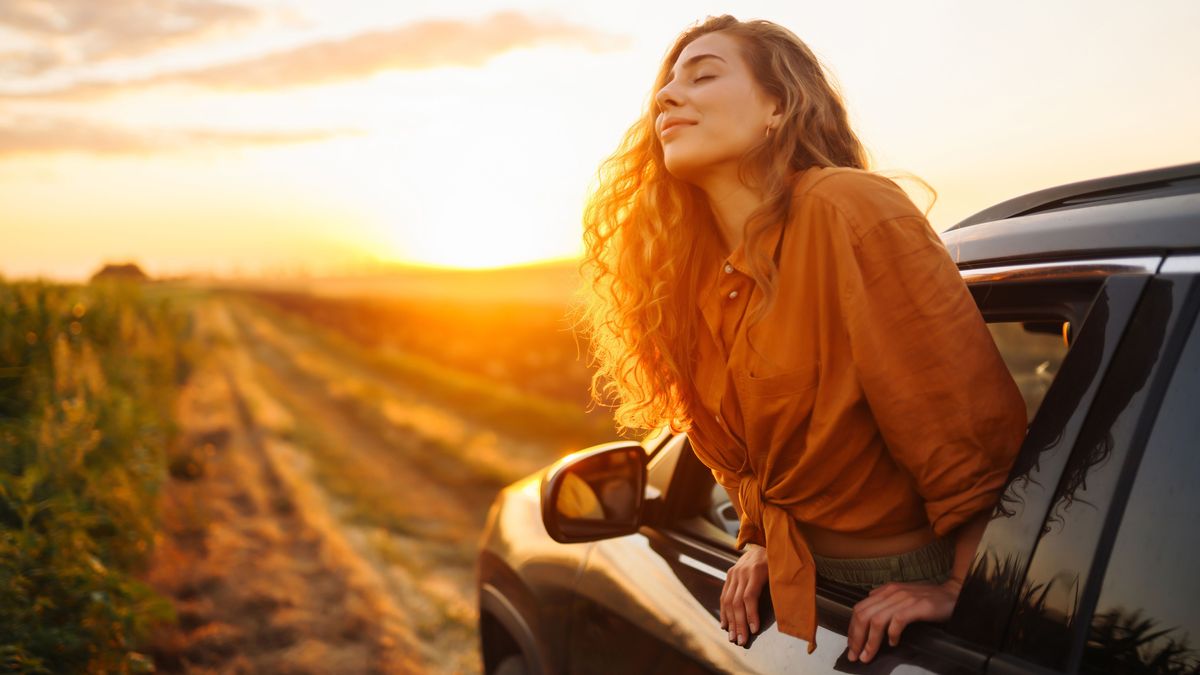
891	607
739	597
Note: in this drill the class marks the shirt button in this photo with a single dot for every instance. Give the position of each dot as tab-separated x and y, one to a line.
732	295
728	268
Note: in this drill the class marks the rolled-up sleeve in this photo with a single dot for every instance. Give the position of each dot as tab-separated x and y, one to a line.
946	406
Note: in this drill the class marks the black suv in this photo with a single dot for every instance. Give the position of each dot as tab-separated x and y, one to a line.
613	559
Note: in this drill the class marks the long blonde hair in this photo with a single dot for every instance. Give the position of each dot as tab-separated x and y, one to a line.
640	267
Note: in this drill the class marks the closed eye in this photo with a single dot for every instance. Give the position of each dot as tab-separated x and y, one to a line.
702	78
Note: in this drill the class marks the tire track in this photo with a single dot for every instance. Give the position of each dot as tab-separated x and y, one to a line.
259	585
428	556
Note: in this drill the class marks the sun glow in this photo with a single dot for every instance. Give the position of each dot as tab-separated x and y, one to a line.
320	146
467	167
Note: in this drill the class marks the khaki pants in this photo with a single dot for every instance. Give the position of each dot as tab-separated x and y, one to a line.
931	562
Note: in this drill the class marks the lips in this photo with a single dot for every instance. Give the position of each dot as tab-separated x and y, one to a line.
674	123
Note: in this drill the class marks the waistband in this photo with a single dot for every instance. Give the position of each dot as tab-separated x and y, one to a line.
932	562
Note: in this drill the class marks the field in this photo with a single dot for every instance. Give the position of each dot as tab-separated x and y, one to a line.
87	375
322	469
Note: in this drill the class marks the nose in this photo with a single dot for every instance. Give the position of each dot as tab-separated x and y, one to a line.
666	97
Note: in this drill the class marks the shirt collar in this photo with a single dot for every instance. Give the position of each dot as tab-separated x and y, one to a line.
714	262
712	255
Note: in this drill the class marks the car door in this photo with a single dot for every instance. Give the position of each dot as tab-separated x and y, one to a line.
1146	612
650	602
633	613
1108	584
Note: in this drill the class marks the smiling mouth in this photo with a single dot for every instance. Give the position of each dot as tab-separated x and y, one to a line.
668	130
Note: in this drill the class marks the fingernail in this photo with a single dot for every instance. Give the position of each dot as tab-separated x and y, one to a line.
850	656
741	639
753	628
863	655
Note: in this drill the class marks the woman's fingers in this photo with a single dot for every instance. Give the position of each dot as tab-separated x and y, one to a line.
879	624
731	607
869	621
857	634
900	620
739	607
727	604
747	602
750	602
884	615
739	595
739	630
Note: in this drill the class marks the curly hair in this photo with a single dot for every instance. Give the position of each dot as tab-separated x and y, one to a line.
640	267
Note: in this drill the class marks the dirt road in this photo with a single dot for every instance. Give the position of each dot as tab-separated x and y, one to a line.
327	519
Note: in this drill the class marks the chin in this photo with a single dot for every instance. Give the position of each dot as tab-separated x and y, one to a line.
692	159
684	165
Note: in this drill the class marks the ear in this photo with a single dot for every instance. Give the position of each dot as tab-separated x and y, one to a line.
775	116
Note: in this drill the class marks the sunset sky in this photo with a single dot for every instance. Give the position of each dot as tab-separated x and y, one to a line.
275	137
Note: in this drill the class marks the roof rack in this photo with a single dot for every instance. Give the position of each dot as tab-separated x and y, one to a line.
1111	188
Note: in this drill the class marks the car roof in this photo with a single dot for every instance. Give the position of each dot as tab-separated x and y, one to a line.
1146	211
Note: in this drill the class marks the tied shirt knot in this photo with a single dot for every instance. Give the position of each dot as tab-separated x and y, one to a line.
792	581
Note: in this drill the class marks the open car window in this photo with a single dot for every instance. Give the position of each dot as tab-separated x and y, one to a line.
699	506
1033	352
655	440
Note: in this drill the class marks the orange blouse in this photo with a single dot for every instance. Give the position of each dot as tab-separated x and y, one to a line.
870	400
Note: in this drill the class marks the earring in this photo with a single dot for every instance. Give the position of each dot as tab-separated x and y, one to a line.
767	133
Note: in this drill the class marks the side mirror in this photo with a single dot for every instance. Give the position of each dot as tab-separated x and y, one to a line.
595	493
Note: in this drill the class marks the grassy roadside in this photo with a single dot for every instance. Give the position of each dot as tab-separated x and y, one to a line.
88	375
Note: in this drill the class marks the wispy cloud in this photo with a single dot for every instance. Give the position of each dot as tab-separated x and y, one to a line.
65	33
25	136
414	46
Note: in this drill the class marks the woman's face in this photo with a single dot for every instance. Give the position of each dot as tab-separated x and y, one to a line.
711	110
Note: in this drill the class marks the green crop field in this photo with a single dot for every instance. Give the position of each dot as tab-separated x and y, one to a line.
87	380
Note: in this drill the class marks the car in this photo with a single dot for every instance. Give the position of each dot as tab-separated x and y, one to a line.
612	560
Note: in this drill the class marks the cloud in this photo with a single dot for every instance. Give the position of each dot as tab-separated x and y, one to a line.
69	32
415	46
40	136
29	62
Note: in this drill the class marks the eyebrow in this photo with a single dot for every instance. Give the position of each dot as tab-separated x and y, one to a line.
691	62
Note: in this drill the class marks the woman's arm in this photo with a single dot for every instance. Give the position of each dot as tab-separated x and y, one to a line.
743	586
888	609
966	542
946	406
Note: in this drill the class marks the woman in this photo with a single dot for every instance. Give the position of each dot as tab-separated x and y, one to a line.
753	284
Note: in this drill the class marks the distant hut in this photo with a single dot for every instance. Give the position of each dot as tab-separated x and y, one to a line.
122	272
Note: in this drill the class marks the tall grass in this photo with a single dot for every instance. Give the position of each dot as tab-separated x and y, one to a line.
88	376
